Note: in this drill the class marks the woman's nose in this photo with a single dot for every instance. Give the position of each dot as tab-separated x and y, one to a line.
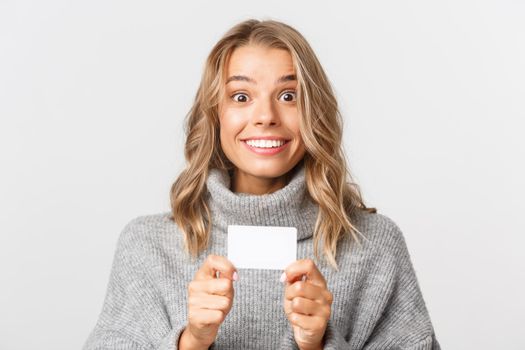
265	113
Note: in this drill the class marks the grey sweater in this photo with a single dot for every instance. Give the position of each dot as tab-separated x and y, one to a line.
377	300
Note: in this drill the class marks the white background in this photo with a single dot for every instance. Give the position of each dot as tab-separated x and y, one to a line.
92	100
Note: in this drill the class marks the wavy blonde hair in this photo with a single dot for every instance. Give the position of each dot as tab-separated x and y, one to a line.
326	171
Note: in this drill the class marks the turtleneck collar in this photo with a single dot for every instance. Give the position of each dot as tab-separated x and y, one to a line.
288	206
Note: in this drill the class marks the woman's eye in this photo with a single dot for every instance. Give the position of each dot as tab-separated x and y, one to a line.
241	97
289	96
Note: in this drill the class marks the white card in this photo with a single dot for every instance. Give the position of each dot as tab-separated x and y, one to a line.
262	247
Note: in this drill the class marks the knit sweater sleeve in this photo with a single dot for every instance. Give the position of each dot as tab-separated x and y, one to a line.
397	317
133	315
403	321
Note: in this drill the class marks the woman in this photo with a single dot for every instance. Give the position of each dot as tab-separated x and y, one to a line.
263	148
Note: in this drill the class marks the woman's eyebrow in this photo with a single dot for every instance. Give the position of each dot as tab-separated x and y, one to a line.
240	78
284	78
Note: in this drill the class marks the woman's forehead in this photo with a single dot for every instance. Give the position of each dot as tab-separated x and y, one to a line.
248	61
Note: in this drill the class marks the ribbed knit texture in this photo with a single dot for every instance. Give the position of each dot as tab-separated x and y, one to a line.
377	300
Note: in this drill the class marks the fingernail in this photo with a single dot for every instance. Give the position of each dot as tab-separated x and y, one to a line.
283	277
235	276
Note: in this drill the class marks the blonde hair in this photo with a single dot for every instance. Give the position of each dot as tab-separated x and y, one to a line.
326	171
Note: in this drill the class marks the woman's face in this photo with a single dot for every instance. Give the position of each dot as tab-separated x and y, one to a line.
259	119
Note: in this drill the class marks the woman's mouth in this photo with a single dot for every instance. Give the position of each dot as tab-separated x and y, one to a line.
266	147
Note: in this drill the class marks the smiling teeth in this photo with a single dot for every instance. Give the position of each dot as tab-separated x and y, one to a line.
265	143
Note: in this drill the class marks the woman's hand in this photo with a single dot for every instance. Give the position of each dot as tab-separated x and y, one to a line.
209	301
307	304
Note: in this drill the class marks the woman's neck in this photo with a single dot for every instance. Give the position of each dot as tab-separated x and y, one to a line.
290	206
247	183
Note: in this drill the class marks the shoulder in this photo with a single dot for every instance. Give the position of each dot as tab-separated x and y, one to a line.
146	232
147	222
380	233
